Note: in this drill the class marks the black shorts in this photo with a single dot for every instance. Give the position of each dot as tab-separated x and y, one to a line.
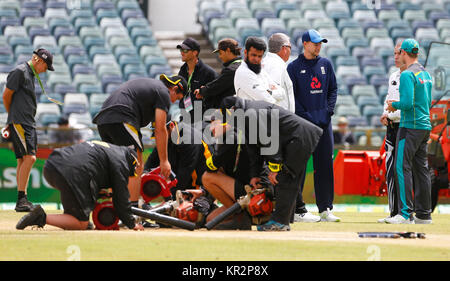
24	139
68	199
122	134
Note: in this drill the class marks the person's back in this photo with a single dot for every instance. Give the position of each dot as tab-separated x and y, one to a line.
134	102
415	88
90	166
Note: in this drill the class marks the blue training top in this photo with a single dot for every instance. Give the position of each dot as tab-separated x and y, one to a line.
315	89
415	98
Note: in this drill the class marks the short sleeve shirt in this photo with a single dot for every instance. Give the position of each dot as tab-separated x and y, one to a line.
134	102
23	103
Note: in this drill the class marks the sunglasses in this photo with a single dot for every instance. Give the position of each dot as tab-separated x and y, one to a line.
184	51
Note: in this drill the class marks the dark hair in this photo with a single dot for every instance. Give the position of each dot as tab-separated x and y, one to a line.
411	55
256	43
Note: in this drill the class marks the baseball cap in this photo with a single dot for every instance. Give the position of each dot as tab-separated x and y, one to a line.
189	44
176	80
45	56
226	43
410	46
314	36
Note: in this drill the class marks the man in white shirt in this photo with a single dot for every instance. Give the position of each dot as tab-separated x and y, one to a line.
392	120
251	81
274	63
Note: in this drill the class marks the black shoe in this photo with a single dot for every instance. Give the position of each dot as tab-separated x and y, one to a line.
23	205
37	216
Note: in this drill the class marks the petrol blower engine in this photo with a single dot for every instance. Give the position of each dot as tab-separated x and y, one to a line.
154	185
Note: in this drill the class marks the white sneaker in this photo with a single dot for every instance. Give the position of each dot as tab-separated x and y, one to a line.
398	219
306	217
383	220
421	221
328	216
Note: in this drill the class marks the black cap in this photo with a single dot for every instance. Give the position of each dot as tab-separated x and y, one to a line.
189	44
45	56
175	80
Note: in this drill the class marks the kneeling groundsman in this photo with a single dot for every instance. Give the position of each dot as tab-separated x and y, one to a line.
293	145
79	172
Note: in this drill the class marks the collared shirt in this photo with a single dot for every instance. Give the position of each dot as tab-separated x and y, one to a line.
393	94
252	86
23	102
275	66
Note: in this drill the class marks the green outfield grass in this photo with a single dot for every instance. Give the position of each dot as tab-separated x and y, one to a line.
314	241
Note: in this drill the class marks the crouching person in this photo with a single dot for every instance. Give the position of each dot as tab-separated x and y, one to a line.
229	169
292	141
79	172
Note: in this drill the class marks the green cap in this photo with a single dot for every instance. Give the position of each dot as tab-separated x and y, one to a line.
410	46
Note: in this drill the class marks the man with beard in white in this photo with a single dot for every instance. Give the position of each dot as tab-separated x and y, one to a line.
251	81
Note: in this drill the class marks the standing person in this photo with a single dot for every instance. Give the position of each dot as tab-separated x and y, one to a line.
223	86
275	64
293	143
195	72
79	172
392	120
251	81
315	91
411	162
19	98
134	105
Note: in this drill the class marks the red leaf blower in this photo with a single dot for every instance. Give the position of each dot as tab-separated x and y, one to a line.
154	185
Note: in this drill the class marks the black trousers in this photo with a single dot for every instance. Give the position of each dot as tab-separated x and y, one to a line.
288	187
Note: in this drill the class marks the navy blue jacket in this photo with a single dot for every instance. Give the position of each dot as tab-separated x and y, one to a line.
315	89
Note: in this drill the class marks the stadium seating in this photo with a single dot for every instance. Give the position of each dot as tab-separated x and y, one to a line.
103	43
360	39
97	45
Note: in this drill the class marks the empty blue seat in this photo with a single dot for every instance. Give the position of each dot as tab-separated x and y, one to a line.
25	13
354	121
55	4
416	24
35	5
63	31
64	89
156	70
9	21
153	60
127	13
371	60
263	14
132	68
437	15
110	79
6	68
89	89
82	68
103	5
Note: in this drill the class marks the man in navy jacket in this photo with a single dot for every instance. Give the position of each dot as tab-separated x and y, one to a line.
315	91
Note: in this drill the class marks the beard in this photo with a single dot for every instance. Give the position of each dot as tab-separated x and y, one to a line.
256	68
